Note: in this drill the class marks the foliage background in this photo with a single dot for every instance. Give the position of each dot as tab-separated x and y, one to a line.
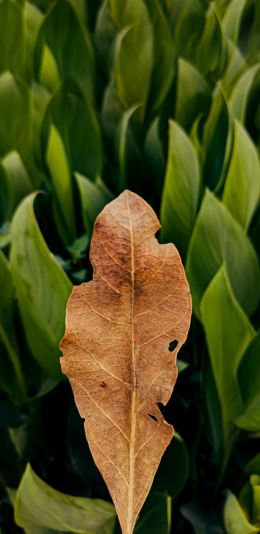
162	97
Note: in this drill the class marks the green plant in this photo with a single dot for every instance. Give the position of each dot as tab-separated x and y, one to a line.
160	97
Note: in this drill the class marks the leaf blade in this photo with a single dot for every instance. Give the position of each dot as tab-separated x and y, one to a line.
124	393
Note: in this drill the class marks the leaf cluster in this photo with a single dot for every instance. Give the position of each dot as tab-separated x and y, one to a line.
161	97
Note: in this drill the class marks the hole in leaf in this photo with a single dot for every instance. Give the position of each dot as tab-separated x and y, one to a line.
172	345
153	417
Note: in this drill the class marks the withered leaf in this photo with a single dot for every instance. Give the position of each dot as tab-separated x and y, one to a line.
116	348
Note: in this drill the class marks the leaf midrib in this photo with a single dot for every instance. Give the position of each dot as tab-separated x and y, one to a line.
133	404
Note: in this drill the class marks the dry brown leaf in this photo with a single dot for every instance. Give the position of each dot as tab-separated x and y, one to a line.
116	348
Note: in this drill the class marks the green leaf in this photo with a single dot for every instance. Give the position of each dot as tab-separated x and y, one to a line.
155	516
154	155
255	488
39	505
209	54
214	141
253	467
174	468
133	70
5	236
12	37
57	162
123	135
42	288
181	190
242	185
235	519
213	411
49	73
192	94
6	197
74	118
81	9
217	238
221	315
232	19
105	33
187	21
247	84
12	380
94	197
17	176
32	21
112	112
70	45
33	158
163	64
15	114
203	519
248	377
235	66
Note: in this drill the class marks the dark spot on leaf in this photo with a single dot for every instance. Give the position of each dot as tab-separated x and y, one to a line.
103	384
153	417
172	345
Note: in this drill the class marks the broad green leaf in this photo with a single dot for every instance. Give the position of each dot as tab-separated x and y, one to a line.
34	158
49	73
6	196
39	505
123	135
187	21
203	519
94	197
255	488
12	380
235	66
155	516
235	519
12	37
221	7
58	166
70	45
214	141
5	236
232	19
134	56
173	469
242	185
210	50
163	64
218	238
105	33
17	176
15	114
32	21
81	9
41	285
112	112
192	94
249	499
221	315
249	419
213	412
181	190
242	91
195	136
253	467
154	154
74	118
248	377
